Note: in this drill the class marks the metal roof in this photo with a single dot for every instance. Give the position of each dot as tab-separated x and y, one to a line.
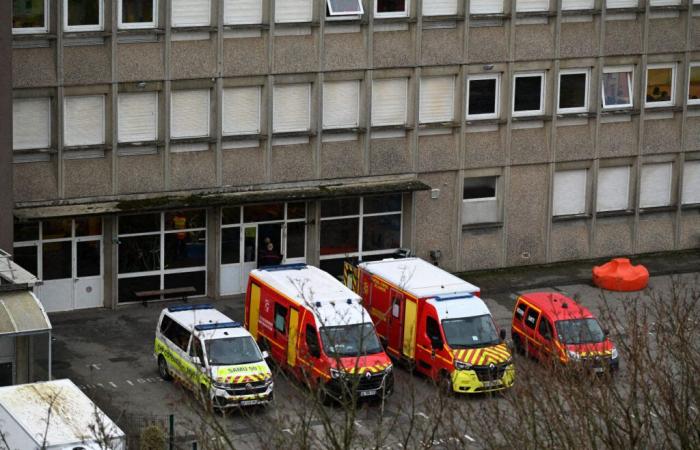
22	313
13	273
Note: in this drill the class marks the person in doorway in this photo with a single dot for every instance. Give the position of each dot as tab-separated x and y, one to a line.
270	256
180	223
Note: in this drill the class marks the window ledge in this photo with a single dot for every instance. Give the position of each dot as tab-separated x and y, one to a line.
138	31
580	12
477	122
620	112
526	14
581	115
489	16
655	109
243	137
657	209
284	134
32	151
206	139
197	28
141	144
631	10
680	7
618	213
482	226
395	19
339	20
443	18
297	24
571	217
390	127
243	26
78	148
545	118
433	125
691	207
359	130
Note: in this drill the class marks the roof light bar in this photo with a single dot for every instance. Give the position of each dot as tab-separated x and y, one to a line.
442	298
178	308
216	326
295	266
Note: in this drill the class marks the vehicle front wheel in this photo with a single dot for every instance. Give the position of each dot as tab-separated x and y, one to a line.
163	369
517	343
446	383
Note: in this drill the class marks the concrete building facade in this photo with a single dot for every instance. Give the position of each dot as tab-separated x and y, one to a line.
162	144
6	203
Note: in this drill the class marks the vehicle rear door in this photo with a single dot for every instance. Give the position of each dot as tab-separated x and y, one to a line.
395	323
533	343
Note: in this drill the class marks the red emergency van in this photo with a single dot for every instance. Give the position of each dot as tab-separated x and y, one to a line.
435	321
317	329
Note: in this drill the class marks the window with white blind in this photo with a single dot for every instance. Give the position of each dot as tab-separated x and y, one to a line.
31	123
84	120
486	7
612	4
137	116
577	4
341	104
480	200
613	189
655	187
241	110
691	182
389	106
436	99
190	13
241	12
664	2
293	11
531	5
291	108
569	192
189	113
439	7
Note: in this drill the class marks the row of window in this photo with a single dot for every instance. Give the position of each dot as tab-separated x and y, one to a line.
30	16
190	110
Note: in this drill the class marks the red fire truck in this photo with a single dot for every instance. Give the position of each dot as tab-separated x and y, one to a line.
435	321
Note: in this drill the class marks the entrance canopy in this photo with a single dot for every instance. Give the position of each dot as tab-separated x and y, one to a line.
21	314
12	273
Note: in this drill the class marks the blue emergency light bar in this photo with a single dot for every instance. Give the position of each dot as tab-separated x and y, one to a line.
442	298
177	308
216	326
294	266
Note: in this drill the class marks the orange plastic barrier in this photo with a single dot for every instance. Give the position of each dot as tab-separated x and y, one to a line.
620	275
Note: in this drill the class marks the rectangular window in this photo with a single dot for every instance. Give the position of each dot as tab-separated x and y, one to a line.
568	5
29	16
136	14
137	117
189	114
312	341
528	94
573	91
569	192
691	182
291	108
531	318
520	311
241	12
31	123
617	87
613	4
344	8
280	318
390	8
389	101
480	201
661	84
439	7
241	111
655	185
341	104
436	99
694	84
82	15
84	120
483	96
293	11
545	329
613	189
531	5
486	7
190	13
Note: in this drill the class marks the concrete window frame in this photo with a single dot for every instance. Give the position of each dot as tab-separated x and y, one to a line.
693	67
543	84
578	109
497	96
78	28
392	14
672	95
630	87
136	25
35	30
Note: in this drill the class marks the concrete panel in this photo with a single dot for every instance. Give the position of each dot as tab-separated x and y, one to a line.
192	170
481	248
534	42
442	46
295	53
569	240
526	207
344	51
488	44
692	136
35	181
245	56
87	64
484	149
243	166
436	219
136	62
292	163
618	139
6	169
437	153
667	35
341	159
389	156
575	142
579	39
529	146
655	232
690	229
193	59
140	173
87	177
394	49
695	36
662	136
33	67
613	236
623	37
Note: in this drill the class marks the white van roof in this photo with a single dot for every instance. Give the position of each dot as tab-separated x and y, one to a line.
331	302
206	321
418	277
458	306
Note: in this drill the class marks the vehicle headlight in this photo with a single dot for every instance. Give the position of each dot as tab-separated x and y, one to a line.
220	385
614	353
335	373
461	365
573	355
388	369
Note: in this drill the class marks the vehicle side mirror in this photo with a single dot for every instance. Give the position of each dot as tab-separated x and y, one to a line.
196	361
315	351
502	334
265	355
436	342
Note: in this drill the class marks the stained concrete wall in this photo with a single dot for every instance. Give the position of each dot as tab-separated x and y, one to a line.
6	193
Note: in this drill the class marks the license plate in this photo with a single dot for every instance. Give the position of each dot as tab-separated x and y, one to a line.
249	402
492	383
368	393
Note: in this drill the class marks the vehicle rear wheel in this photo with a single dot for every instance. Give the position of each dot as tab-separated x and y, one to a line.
163	369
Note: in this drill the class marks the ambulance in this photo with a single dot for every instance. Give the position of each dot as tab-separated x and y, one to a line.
209	353
317	329
435	322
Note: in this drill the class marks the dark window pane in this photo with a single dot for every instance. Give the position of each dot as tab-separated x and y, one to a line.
659	84
391	5
263	213
531	318
480	187
339	236
231	245
26	231
139	254
57	259
382	203
333	266
250	253
28	13
83	12
140	223
27	258
129	286
231	215
88	259
482	96
572	90
88	226
137	11
196	280
56	229
527	93
186	249
340	207
295	240
296	210
381	232
180	220
694	85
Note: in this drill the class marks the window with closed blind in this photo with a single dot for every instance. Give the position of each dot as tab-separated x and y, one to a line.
137	117
293	11
691	182
241	110
436	99
189	113
613	4
439	7
655	187
389	101
341	104
569	192
84	120
613	189
577	4
531	5
486	7
291	108
31	123
664	2
190	13
241	12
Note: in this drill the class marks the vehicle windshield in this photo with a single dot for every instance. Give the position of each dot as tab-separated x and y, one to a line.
579	331
232	351
470	332
350	340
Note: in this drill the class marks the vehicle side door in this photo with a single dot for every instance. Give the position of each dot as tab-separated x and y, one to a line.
178	339
434	354
310	355
533	343
395	322
198	361
545	335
